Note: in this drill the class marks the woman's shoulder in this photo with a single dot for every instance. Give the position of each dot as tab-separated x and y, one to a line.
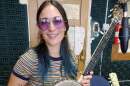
29	55
26	64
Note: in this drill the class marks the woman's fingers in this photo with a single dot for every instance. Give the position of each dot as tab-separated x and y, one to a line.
85	80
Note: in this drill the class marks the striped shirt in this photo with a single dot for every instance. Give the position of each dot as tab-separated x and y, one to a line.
26	68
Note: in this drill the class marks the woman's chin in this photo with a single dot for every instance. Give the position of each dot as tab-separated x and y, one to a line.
54	43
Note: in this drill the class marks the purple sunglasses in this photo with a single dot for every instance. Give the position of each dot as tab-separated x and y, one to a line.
44	23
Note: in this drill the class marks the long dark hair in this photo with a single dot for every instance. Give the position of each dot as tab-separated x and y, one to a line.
42	50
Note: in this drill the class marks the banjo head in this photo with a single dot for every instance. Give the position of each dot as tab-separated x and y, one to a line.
68	83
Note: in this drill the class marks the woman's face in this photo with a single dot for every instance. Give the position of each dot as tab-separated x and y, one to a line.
52	25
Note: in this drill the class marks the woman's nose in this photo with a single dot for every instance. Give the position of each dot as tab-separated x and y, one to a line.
52	27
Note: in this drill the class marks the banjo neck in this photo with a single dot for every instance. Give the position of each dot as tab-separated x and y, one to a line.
101	45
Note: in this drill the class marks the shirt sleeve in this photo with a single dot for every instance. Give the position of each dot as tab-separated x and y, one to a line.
24	66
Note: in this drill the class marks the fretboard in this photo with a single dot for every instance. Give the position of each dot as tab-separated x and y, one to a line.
101	45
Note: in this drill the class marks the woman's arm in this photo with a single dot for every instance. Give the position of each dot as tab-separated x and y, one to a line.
16	81
23	68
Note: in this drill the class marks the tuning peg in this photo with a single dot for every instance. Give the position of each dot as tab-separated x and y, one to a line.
109	16
111	10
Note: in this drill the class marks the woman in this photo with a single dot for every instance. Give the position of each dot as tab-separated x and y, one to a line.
51	60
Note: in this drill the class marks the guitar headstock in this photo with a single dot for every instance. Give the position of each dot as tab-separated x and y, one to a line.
118	9
117	12
122	1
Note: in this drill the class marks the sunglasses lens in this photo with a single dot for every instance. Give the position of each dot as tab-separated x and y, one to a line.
44	24
58	22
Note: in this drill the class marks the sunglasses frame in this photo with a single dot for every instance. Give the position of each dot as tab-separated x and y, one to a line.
57	21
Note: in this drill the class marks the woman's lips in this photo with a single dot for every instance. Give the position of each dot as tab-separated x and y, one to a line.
52	35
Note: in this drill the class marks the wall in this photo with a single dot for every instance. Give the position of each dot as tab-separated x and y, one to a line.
13	36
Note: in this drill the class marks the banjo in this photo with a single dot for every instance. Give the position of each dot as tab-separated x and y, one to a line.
95	57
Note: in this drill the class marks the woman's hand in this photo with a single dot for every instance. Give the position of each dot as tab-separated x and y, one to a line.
85	80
